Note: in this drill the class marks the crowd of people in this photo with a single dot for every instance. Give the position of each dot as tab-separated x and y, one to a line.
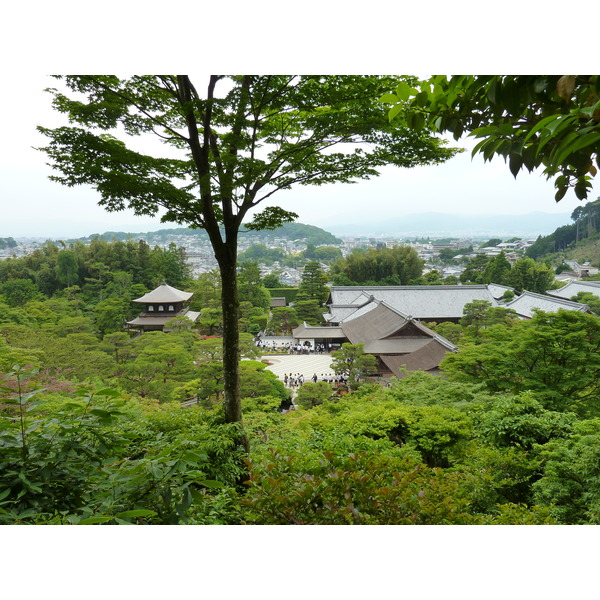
291	348
295	380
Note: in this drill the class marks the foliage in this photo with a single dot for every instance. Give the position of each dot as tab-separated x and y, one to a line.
531	120
312	394
352	362
96	460
283	320
553	354
592	300
313	284
378	266
356	488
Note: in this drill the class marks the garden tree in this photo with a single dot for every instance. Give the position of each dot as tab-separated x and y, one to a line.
157	368
570	482
382	266
207	291
453	332
497	270
271	281
313	284
210	320
19	291
491	243
250	286
208	385
520	421
110	315
592	300
474	314
283	320
118	342
179	323
352	362
531	120
240	140
555	355
526	274
309	311
312	394
67	268
474	269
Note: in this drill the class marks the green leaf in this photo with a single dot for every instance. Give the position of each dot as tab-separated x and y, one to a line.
131	514
515	162
404	91
394	111
389	99
211	483
96	520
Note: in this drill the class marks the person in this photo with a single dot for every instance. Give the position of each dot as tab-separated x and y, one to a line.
285	379
314	378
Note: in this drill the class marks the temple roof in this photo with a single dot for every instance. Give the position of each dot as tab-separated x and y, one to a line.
165	293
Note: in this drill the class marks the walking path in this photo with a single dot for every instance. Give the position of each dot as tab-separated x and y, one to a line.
305	364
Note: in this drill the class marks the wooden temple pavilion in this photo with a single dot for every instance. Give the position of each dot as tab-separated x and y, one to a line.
161	305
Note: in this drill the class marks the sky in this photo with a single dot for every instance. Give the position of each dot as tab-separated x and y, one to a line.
33	205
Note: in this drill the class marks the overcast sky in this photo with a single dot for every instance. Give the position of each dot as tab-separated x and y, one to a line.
32	205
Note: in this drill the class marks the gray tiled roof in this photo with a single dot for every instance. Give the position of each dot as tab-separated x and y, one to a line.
428	302
574	287
525	304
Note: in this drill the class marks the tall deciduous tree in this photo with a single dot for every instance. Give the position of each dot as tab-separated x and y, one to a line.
237	142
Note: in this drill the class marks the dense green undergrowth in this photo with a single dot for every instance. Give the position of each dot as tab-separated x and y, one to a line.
424	451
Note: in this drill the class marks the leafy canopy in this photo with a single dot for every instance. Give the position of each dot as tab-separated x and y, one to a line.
533	121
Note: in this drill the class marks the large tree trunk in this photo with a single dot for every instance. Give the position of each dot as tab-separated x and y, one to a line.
231	355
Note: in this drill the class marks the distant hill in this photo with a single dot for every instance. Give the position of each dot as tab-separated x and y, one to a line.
290	231
578	240
452	225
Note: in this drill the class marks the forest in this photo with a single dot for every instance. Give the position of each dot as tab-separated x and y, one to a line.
100	426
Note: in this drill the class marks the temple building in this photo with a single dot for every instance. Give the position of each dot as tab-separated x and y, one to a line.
161	305
399	342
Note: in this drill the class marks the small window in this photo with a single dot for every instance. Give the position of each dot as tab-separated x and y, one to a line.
151	308
171	307
160	308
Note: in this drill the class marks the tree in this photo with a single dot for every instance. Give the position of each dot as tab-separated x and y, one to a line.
531	120
497	270
592	300
383	266
19	291
352	362
283	320
243	140
67	268
527	274
313	284
555	355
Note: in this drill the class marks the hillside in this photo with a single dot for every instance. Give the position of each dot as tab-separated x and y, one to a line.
291	231
579	240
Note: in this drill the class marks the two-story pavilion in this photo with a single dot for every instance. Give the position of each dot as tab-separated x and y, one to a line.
161	305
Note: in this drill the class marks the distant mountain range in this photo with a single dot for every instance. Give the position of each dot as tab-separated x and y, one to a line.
432	224
451	225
